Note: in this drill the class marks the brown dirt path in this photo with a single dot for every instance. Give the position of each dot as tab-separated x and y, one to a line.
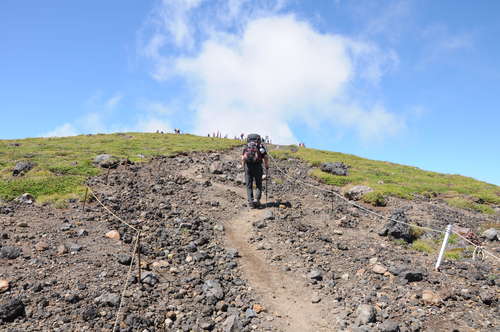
283	293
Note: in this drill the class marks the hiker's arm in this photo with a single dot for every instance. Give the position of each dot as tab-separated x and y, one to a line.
243	161
266	161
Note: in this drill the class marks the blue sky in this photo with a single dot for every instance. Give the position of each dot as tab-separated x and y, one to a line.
412	82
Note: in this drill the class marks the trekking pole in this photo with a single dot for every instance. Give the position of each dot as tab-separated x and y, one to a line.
267	177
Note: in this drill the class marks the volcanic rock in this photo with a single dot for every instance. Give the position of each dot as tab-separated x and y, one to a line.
12	309
22	167
337	168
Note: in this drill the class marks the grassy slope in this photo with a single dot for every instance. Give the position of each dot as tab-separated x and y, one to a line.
63	164
398	180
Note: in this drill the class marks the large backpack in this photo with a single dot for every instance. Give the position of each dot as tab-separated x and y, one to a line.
251	153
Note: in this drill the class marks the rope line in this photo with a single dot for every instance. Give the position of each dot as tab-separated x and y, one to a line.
125	284
353	203
107	209
375	213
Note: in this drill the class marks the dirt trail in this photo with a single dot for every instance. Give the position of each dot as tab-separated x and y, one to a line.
282	293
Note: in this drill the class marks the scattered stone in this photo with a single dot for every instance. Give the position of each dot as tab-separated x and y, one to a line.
124	259
25	199
12	309
412	275
430	297
114	235
357	192
72	298
22	168
373	260
338	232
491	234
4	285
249	314
41	246
109	299
89	313
337	168
342	246
62	249
219	228
257	308
488	296
365	314
149	278
207	325
316	275
232	324
22	224
82	232
268	215
216	167
75	247
389	326
213	290
10	252
379	269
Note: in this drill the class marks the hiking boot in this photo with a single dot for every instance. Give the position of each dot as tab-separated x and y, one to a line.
256	203
251	205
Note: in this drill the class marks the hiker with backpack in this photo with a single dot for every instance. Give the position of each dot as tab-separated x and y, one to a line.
253	155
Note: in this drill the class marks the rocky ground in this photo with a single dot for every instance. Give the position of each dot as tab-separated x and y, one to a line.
305	262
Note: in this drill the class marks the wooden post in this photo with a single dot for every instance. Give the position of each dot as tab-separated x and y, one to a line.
139	256
107	174
85	198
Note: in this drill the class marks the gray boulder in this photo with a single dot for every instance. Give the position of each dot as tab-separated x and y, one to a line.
357	192
22	167
10	252
109	299
106	161
216	167
337	168
365	314
213	290
491	234
232	324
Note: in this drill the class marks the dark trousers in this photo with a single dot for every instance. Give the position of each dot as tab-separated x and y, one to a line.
253	172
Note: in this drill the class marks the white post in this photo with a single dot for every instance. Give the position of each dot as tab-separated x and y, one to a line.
443	246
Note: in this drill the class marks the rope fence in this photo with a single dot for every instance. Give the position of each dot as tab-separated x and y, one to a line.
292	179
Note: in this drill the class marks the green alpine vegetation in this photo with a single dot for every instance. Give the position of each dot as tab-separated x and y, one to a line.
390	179
63	164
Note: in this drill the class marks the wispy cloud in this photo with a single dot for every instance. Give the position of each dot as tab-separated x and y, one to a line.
64	130
112	102
261	69
100	117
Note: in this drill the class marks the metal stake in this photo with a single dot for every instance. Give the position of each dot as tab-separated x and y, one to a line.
443	247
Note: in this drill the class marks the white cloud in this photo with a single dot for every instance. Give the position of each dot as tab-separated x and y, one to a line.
273	70
64	130
112	102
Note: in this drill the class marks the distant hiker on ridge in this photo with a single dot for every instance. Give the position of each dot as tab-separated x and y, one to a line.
253	155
